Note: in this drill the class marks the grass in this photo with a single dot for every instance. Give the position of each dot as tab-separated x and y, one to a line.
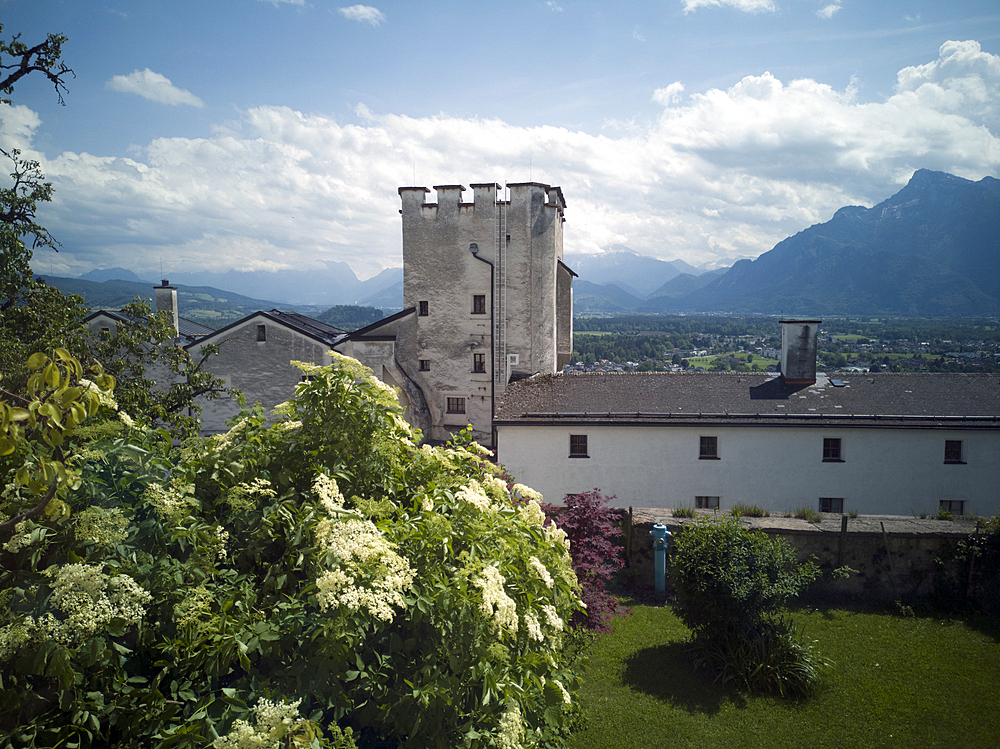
896	682
748	511
804	513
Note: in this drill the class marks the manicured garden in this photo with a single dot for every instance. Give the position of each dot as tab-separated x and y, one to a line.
895	681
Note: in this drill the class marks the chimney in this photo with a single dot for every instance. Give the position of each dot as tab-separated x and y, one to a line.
166	301
798	351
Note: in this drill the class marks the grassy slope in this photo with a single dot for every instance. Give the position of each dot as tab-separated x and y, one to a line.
896	682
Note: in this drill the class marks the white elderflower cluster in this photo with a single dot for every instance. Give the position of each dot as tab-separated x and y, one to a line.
555	534
100	525
241	496
495	489
90	599
496	603
565	693
541	571
221	539
21	537
13	637
510	731
552	617
288	426
274	721
104	397
328	492
533	628
473	494
531	513
526	492
371	575
222	441
125	419
169	502
195	610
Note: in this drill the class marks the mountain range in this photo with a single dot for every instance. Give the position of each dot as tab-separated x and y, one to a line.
931	250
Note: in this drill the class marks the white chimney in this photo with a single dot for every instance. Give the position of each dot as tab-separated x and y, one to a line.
166	301
798	351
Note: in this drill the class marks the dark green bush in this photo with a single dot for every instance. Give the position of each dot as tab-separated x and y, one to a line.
730	582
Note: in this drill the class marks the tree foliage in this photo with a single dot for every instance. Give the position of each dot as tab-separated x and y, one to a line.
282	582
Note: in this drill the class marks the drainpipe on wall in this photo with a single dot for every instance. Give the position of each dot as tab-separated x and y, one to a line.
474	249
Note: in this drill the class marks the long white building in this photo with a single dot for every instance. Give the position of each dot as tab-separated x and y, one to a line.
900	444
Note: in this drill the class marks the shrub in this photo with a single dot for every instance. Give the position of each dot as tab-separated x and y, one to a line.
730	583
975	570
321	570
593	531
748	511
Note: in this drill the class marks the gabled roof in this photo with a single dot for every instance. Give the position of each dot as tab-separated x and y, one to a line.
745	398
318	331
380	330
188	328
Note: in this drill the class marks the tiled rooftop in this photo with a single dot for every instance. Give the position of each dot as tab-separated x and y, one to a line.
753	398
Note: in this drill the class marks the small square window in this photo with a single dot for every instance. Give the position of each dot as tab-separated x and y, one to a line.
424	309
953	451
479	304
425	365
479	363
831	450
706	503
831	504
456	405
261	332
578	446
708	448
954	506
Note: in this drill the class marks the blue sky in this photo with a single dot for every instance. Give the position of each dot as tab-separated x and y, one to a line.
274	134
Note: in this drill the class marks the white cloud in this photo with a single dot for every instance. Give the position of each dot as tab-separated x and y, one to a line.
154	87
554	6
669	94
747	6
827	11
637	36
718	174
276	3
363	14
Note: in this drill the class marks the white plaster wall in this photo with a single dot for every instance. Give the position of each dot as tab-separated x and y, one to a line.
885	471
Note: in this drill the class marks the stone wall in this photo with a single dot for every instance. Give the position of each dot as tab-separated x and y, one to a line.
894	556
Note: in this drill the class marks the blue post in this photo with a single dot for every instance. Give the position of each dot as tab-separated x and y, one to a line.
660	536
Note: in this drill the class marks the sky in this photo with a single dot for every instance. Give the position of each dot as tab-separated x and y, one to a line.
274	134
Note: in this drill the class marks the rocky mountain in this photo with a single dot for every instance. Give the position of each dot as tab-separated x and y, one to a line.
932	249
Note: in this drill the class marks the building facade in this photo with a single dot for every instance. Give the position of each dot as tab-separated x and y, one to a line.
487	299
901	444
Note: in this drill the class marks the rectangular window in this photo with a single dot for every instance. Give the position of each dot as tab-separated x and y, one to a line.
578	446
261	332
954	506
479	304
456	405
706	503
424	309
831	504
831	450
708	448
479	362
953	451
425	365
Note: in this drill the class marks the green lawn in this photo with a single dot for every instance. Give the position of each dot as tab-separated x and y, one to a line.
896	682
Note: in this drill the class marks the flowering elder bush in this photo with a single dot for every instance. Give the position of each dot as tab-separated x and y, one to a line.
287	580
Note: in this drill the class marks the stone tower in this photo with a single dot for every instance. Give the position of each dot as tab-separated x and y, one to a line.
490	294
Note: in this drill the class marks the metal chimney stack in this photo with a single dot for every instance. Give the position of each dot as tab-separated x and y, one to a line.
798	351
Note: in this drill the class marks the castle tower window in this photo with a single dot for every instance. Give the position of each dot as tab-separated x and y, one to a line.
479	304
424	309
425	365
479	363
456	405
261	332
